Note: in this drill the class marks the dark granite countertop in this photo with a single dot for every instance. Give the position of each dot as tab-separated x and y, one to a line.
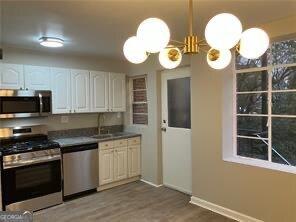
73	141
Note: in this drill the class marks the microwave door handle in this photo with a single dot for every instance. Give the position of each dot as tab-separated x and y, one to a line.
40	104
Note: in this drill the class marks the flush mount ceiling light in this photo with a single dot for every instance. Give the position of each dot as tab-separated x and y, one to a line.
222	33
51	42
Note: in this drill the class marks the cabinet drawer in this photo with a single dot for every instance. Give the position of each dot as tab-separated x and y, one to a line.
106	145
120	143
134	141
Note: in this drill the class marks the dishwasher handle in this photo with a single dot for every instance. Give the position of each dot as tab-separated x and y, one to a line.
79	148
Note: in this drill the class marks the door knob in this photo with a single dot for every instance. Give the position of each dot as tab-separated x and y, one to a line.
163	129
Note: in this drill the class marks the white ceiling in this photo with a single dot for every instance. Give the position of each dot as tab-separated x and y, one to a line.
100	27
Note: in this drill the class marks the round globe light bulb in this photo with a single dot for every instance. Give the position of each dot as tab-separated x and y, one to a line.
218	59
134	51
154	34
170	57
254	43
223	31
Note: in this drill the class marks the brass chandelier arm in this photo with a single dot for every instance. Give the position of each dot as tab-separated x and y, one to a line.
176	41
175	46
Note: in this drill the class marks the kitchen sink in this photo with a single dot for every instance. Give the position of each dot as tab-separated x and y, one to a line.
105	136
119	134
102	136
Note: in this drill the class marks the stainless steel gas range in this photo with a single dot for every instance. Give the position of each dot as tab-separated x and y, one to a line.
31	169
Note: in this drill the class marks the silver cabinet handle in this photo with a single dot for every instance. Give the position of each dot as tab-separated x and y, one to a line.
41	104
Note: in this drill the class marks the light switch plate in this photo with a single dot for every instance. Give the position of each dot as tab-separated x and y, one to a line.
64	119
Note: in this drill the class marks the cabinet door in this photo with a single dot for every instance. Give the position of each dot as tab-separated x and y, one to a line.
120	163
11	76
61	90
134	161
117	92
37	77
106	170
80	91
99	90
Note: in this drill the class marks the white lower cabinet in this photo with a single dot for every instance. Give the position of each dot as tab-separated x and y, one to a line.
134	163
119	161
106	162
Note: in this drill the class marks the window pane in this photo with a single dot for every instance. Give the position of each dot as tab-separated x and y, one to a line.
253	148
284	52
140	96
140	108
284	140
139	83
252	81
244	63
140	119
252	126
284	78
284	103
255	103
179	103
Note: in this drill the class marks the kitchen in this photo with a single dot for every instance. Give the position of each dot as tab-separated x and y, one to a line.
41	167
133	111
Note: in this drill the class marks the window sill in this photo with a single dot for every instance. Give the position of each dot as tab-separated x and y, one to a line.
261	163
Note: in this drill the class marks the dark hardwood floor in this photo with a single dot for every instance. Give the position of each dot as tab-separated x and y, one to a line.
135	202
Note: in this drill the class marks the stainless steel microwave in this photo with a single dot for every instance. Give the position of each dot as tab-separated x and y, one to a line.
24	103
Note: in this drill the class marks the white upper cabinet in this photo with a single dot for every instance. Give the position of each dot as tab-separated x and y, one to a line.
99	91
117	92
11	76
80	91
37	77
61	90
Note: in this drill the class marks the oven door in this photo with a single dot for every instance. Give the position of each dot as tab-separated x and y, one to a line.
22	103
31	181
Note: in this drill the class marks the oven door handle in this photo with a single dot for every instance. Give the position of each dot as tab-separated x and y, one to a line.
40	104
20	163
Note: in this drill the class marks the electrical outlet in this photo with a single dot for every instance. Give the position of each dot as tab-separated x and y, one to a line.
64	119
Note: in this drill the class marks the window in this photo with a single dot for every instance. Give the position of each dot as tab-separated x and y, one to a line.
139	105
265	104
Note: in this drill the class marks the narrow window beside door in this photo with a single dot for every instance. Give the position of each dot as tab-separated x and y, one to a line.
139	104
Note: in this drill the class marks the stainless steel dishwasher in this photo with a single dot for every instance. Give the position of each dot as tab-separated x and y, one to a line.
80	167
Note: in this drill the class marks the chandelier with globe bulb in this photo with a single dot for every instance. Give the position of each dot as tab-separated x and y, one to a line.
223	33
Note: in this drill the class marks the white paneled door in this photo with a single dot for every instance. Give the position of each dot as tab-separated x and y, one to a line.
80	91
117	94
11	76
176	129
61	90
99	91
37	77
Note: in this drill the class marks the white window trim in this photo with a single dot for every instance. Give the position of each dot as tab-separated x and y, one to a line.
131	90
230	121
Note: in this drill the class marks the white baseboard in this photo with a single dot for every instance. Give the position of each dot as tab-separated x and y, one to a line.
152	184
178	189
223	211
